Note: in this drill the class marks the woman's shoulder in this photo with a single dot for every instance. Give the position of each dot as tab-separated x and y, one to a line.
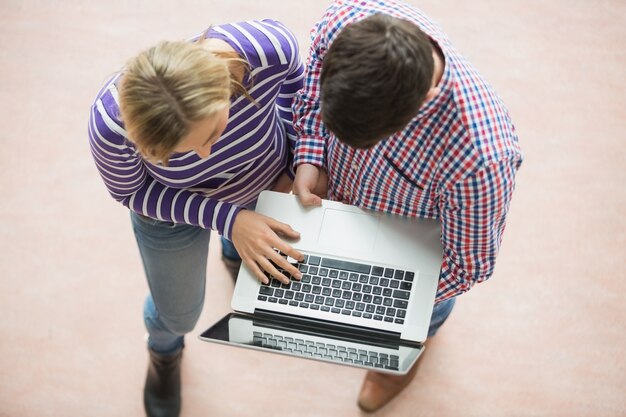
262	42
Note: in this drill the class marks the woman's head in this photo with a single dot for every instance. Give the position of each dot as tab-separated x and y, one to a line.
170	92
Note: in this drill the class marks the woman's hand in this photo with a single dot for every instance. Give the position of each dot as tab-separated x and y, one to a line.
310	185
255	237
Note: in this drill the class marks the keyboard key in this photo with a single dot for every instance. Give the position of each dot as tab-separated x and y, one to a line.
388	302
345	312
408	276
367	289
336	283
403	295
304	305
329	301
343	275
388	272
405	285
309	298
316	280
333	273
313	270
389	319
378	317
399	321
283	301
339	303
303	268
279	292
299	296
367	315
346	285
357	296
276	283
401	313
262	298
377	291
347	295
319	300
306	278
380	310
356	313
325	308
374	280
387	292
360	306
273	300
384	282
335	310
350	305
314	260
317	289
399	274
326	292
266	291
378	300
293	303
315	307
370	308
391	311
345	265
363	279
378	271
395	284
337	293
400	304
326	282
354	277
323	272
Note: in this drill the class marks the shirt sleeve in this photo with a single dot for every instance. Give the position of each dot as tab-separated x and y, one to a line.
129	182
311	133
473	214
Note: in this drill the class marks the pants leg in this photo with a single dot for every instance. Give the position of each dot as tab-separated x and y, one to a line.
441	311
174	258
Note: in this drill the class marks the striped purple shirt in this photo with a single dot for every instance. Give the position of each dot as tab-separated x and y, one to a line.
254	149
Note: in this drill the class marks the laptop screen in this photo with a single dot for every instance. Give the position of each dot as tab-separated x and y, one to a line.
339	346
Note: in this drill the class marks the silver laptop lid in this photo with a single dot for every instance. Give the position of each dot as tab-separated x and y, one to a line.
341	232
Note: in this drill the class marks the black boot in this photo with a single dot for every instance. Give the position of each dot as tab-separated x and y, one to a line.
161	395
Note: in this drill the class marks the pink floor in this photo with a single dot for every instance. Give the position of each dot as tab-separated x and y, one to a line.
544	337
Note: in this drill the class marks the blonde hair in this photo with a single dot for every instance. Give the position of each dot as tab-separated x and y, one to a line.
168	87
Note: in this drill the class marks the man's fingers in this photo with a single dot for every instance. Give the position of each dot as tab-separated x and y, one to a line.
309	199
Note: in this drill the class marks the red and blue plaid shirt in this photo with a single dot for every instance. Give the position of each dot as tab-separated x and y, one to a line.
455	161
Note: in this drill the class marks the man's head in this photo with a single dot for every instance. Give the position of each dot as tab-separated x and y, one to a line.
375	76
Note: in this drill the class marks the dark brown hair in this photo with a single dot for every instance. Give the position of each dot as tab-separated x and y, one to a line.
375	76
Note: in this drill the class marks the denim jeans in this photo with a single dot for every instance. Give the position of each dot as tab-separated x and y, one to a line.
175	258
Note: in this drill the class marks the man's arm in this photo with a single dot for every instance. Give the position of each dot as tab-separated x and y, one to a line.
310	152
473	215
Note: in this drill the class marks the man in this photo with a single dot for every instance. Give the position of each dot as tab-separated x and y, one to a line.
401	122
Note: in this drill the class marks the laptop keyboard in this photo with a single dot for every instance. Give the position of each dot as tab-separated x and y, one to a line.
346	288
333	352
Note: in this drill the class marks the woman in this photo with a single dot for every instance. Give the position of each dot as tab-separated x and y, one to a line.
186	136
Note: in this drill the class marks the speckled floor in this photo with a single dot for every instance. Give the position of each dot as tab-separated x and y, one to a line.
544	337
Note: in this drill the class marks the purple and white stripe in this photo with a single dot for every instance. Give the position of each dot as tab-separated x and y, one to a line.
256	147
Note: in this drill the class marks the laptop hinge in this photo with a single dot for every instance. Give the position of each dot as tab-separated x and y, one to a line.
334	328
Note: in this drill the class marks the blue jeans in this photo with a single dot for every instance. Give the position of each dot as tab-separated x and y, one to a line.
175	259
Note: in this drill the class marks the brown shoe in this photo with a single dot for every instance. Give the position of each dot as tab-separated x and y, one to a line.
378	388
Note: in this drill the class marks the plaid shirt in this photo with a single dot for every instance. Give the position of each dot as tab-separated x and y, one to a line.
455	161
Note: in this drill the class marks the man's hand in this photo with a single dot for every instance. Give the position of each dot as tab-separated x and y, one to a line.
255	238
310	185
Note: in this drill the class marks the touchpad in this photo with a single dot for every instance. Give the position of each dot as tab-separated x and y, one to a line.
344	229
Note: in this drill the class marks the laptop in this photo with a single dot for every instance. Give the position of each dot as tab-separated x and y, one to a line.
366	294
